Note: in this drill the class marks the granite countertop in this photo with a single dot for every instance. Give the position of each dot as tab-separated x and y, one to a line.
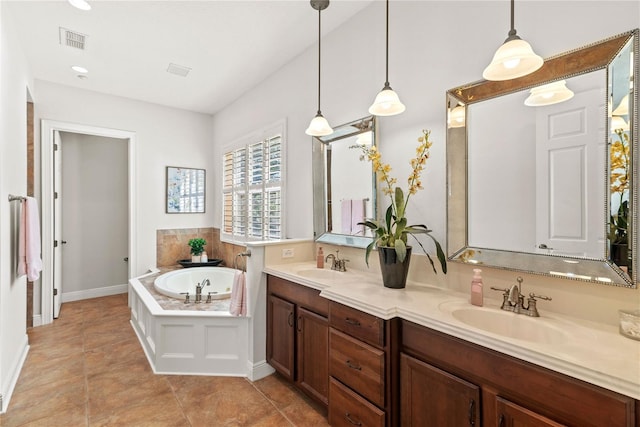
589	351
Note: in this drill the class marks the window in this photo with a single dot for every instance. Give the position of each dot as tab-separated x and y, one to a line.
252	190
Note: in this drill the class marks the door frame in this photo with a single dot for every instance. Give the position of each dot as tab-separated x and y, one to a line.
46	140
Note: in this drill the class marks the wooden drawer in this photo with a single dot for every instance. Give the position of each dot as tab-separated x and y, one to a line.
347	408
361	325
301	295
358	365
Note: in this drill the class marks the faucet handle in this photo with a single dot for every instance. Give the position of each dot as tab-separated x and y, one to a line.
209	297
506	291
186	298
534	296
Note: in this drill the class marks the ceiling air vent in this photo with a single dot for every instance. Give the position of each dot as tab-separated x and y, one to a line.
178	70
73	39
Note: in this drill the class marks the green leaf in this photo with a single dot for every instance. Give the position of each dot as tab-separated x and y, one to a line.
388	217
368	251
399	202
440	253
417	229
401	250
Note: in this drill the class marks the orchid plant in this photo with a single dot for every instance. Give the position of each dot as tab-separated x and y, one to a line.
393	231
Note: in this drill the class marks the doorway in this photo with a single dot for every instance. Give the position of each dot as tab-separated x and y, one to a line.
52	240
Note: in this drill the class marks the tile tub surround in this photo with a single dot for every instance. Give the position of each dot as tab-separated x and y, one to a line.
87	369
172	246
596	353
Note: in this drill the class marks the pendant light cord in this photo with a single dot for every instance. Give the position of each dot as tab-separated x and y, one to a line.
319	56
386	83
512	31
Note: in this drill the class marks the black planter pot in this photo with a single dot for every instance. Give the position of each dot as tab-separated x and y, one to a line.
394	273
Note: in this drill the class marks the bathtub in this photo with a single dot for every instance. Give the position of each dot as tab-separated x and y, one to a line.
176	283
196	339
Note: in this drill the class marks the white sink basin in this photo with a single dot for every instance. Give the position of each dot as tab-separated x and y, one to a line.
511	325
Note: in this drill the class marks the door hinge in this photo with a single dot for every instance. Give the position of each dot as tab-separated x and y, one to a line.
55	147
55	243
55	194
55	292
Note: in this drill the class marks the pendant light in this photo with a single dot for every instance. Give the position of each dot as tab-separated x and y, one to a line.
515	58
387	102
551	93
319	126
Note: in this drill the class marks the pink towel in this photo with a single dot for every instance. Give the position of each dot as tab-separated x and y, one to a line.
357	215
345	211
238	306
29	261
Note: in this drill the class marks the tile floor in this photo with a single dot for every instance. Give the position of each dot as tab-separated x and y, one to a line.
88	369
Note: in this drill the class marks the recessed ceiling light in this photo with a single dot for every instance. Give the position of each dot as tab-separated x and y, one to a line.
79	69
80	4
83	76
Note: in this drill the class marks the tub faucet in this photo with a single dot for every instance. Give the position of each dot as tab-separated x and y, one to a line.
199	288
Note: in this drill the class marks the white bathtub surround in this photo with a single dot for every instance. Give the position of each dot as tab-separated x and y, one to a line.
196	339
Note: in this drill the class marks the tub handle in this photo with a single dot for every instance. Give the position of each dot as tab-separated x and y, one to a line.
186	298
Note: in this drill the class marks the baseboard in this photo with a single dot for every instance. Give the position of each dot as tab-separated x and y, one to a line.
94	293
7	391
37	320
257	371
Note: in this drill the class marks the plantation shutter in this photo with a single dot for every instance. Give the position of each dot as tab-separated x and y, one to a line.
252	191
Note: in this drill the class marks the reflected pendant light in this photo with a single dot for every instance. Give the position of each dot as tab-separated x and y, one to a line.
319	126
387	102
551	93
515	58
623	107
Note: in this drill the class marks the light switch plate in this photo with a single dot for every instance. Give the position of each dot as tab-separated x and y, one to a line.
287	253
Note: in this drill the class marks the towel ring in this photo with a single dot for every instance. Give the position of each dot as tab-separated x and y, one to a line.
241	254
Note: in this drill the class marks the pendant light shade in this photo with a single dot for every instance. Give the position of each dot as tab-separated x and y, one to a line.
623	107
319	126
515	58
618	122
552	93
457	117
387	102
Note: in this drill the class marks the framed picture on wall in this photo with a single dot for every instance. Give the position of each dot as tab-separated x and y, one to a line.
185	190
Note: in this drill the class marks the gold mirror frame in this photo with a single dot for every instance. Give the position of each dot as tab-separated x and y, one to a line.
593	57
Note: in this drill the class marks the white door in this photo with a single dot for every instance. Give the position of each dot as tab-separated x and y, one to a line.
570	176
57	224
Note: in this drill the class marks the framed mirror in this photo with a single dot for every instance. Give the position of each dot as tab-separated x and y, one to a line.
542	171
344	185
185	190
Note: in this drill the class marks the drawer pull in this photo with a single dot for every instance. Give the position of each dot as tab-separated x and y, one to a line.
352	366
501	422
299	324
351	321
351	420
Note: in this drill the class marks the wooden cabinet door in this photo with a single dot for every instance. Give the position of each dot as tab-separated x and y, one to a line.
281	335
431	397
313	354
512	415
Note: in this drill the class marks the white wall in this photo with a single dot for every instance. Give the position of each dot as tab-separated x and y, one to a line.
14	81
164	137
434	46
95	210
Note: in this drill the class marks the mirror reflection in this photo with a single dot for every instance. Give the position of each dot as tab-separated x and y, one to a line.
344	185
540	168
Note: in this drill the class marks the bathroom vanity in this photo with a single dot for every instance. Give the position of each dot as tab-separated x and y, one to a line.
386	357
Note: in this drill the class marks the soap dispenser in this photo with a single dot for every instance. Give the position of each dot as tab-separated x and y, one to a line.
476	288
320	258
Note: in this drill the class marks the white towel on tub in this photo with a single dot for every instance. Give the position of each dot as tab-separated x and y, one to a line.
29	261
238	305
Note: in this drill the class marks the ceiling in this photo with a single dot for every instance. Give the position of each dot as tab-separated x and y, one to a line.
230	46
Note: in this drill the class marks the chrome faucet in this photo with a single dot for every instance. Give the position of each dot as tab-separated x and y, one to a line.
337	263
199	288
513	300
